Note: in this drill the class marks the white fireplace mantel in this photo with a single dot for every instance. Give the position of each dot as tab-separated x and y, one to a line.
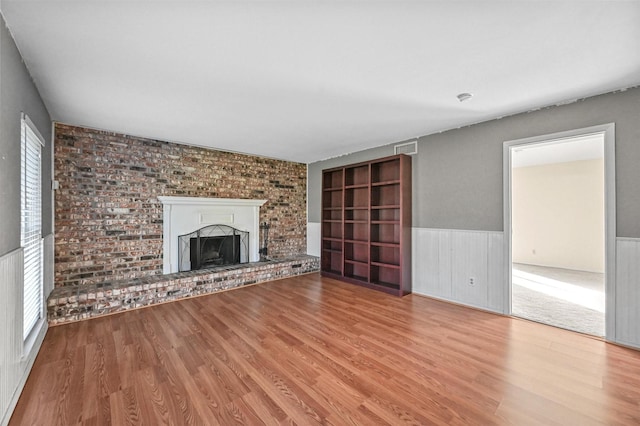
182	215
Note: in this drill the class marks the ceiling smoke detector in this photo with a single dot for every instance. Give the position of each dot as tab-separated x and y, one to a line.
464	97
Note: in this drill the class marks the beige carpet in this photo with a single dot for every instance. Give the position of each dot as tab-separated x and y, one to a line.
563	298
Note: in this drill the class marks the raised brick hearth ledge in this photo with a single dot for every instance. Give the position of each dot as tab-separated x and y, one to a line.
74	303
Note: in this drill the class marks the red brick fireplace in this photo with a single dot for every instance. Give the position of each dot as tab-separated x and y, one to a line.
109	222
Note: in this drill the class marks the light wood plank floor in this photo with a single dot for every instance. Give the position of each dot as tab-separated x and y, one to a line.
309	350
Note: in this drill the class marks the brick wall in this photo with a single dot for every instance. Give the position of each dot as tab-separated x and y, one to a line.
108	220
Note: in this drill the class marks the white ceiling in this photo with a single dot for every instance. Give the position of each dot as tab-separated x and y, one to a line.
579	148
309	80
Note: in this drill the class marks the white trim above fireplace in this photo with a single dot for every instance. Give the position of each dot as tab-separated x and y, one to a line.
182	215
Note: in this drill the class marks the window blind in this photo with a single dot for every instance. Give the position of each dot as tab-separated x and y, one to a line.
31	224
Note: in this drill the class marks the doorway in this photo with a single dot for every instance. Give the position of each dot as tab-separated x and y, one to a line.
560	216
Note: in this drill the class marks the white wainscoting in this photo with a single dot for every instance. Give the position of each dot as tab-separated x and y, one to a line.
627	291
313	238
16	357
445	260
10	329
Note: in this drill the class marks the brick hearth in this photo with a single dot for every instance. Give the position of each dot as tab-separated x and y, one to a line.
73	303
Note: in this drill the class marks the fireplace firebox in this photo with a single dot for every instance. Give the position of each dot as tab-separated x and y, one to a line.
211	246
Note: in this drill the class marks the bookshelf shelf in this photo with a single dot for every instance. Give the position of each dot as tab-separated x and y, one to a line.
366	224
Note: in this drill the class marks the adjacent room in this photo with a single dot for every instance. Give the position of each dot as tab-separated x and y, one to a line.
293	212
558	233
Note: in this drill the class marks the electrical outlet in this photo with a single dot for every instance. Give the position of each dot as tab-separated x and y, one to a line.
472	281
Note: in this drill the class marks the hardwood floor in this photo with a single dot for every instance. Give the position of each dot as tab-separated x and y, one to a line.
309	350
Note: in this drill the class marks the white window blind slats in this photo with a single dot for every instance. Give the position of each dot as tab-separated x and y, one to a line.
32	262
31	224
33	293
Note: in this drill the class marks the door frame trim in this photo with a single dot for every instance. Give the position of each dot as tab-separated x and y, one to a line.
608	131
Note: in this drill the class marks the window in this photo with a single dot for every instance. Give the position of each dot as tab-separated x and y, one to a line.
31	223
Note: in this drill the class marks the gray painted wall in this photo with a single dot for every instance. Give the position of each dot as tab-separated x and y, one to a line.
457	175
18	94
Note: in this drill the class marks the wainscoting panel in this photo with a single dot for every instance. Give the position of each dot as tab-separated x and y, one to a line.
313	238
431	272
16	356
419	254
444	265
10	329
627	314
469	276
496	281
444	261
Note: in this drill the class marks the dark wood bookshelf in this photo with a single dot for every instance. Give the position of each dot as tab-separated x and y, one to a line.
366	224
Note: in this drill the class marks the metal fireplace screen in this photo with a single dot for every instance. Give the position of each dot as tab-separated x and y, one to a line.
211	246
